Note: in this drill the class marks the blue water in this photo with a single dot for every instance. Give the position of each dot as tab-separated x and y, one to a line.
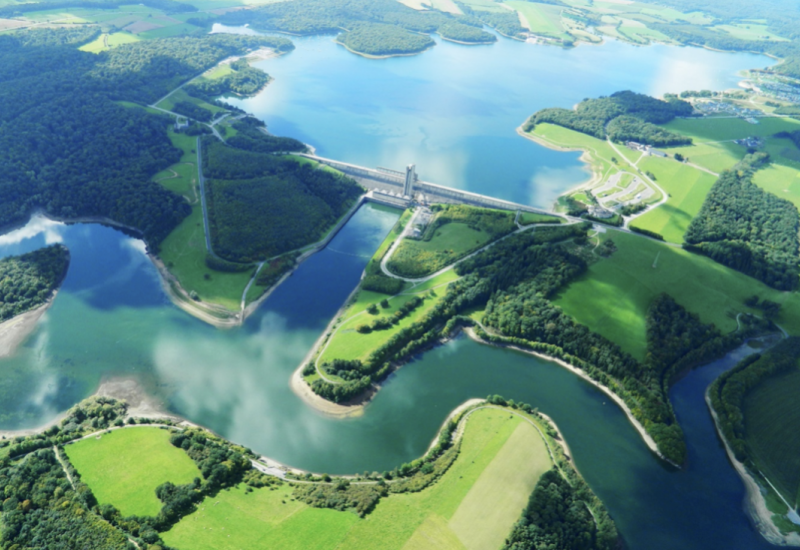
454	110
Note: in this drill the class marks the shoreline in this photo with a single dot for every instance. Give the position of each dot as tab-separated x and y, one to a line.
754	502
648	440
384	56
15	331
585	158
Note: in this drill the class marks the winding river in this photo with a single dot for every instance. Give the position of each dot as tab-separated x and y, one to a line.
112	317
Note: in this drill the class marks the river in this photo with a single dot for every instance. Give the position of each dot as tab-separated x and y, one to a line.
112	317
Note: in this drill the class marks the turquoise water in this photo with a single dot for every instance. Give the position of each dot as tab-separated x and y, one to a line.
112	317
454	110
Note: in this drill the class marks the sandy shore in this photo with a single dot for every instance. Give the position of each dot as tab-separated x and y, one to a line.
651	444
16	330
754	502
304	392
586	158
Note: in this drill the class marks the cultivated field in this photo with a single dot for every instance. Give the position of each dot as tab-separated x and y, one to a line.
124	467
771	418
473	506
613	297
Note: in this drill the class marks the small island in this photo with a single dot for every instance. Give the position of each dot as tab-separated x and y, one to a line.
29	284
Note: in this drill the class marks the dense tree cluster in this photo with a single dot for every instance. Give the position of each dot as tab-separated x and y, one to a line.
244	80
252	136
381	283
382	39
744	227
272	271
67	147
460	32
27	281
275	204
506	22
193	111
728	392
342	495
623	116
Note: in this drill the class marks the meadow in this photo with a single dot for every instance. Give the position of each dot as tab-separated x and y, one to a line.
527	218
473	506
542	19
612	298
771	416
169	103
107	41
125	466
686	188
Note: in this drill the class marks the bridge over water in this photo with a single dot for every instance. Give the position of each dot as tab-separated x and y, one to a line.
403	188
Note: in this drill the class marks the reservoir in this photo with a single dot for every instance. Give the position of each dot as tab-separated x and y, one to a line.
112	317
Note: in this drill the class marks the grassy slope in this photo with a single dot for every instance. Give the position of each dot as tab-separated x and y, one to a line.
500	461
687	188
613	297
771	417
542	19
454	239
124	467
99	44
184	250
180	95
347	343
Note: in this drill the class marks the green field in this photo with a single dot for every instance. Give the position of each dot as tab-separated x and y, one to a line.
347	343
750	31
613	297
686	188
473	506
771	418
184	250
168	103
544	19
106	41
527	218
124	467
452	233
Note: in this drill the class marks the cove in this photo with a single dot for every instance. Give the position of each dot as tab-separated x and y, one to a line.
112	318
453	109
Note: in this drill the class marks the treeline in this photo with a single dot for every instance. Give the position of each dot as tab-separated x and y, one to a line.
251	136
29	280
168	6
382	39
460	32
262	205
374	27
729	391
639	115
748	229
244	80
191	110
506	22
69	149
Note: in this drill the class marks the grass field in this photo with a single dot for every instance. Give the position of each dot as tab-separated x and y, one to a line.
124	467
771	418
417	258
180	95
527	218
106	41
686	188
347	343
750	31
473	506
544	19
613	297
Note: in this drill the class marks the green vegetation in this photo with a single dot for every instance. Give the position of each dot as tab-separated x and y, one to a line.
623	116
238	78
491	14
124	467
379	39
744	227
465	33
542	18
754	404
107	41
612	299
528	218
98	168
262	205
452	233
473	504
29	280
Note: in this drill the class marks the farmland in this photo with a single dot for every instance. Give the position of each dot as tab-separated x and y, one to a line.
124	467
500	460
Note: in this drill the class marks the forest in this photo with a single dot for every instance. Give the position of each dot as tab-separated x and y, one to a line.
748	229
506	22
252	136
262	205
381	39
623	116
29	280
65	144
728	392
460	32
243	80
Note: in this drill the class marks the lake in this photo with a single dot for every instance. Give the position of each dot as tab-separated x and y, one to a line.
453	111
